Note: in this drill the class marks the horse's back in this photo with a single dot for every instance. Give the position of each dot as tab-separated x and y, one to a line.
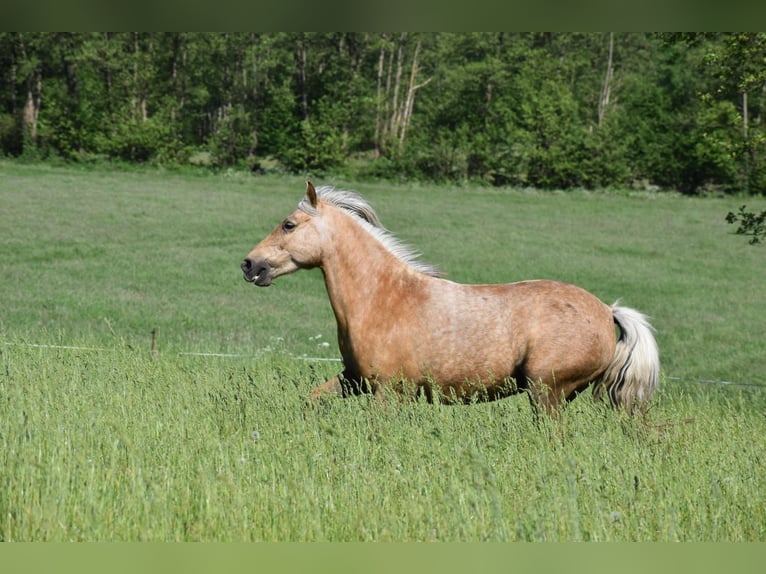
546	304
536	305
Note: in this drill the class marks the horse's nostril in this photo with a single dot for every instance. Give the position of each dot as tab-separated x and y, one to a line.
246	265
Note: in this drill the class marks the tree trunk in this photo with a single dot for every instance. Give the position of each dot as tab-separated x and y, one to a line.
379	101
397	82
606	86
300	58
14	69
34	84
254	94
395	103
744	115
140	83
386	101
178	73
410	101
32	105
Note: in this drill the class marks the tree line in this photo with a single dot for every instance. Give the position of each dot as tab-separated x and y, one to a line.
592	110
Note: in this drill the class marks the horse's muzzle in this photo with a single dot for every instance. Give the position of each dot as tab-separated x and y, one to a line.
258	272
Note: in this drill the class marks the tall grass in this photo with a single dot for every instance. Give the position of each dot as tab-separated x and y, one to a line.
120	446
115	443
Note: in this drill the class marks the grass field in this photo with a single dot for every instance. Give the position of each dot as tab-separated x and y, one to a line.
110	442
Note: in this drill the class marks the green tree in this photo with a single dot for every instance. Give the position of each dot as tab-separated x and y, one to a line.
676	111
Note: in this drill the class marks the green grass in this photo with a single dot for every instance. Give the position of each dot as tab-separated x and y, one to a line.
115	444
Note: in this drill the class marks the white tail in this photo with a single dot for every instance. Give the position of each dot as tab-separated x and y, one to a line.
632	377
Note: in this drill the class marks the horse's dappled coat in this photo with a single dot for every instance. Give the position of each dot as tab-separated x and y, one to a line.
401	325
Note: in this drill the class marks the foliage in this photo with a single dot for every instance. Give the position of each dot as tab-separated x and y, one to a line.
129	447
595	110
750	223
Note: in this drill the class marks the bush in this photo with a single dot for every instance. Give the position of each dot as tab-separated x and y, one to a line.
320	148
140	140
232	141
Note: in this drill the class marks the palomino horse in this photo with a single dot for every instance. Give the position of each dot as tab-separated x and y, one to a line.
401	326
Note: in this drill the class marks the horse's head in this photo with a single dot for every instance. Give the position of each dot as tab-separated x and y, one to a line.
292	245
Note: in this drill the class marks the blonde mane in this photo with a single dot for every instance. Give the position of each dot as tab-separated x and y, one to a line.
362	212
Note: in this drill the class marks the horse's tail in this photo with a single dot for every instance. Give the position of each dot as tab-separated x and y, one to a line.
632	377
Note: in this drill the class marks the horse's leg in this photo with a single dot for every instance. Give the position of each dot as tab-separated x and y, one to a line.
552	396
331	388
548	408
545	399
344	384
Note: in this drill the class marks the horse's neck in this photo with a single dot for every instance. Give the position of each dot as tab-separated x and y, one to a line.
361	275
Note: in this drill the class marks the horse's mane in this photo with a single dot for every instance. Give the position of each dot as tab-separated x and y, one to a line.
362	212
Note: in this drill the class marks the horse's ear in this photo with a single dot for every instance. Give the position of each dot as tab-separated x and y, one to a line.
311	193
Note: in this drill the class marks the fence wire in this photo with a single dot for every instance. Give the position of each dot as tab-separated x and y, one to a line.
331	359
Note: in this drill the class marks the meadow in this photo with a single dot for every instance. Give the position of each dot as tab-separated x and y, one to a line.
210	437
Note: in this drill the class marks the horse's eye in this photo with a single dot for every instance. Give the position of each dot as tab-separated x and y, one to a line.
288	225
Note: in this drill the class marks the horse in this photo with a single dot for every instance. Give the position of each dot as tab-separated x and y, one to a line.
403	327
